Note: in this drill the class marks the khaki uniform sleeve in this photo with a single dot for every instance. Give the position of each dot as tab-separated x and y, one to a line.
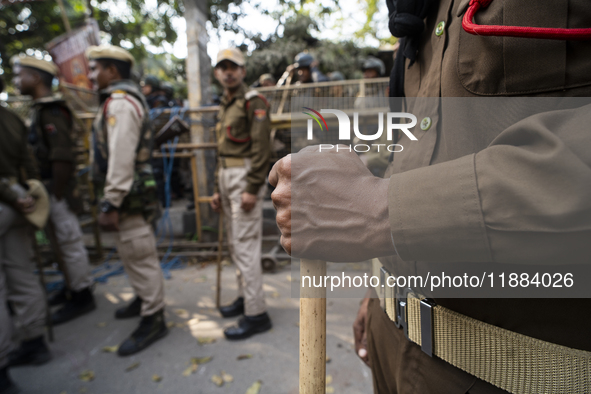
260	130
56	124
6	194
524	199
123	132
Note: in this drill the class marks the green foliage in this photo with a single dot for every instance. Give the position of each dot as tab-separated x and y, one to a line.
276	53
32	25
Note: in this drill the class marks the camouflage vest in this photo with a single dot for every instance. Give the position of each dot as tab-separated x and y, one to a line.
142	197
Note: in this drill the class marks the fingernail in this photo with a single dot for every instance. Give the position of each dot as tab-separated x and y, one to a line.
362	353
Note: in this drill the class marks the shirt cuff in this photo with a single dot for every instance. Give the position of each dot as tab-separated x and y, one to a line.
435	214
252	189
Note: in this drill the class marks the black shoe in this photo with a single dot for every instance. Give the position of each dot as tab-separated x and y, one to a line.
31	352
131	310
248	326
6	385
150	330
234	309
59	298
81	303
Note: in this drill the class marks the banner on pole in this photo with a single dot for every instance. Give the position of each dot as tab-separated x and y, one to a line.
68	50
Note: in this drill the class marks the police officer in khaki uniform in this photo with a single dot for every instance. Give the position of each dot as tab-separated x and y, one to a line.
243	133
51	136
121	152
470	191
18	283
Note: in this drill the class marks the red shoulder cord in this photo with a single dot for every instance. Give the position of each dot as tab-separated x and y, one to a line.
234	139
518	31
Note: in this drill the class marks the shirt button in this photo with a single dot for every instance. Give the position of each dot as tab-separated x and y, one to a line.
439	29
425	123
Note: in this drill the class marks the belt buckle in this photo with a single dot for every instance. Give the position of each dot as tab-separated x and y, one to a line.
400	305
426	318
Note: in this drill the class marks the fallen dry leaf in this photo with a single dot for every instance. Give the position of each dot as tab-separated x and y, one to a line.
329	390
101	324
205	340
275	294
201	360
328	379
182	313
218	380
181	325
132	366
244	357
190	370
201	279
170	324
156	378
227	377
288	277
255	388
111	349
328	359
86	376
83	390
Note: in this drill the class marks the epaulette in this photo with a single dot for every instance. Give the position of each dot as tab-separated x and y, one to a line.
118	93
252	94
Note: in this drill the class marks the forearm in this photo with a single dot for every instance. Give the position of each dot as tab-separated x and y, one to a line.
524	199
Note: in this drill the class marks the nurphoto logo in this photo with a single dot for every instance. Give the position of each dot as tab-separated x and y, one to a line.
345	129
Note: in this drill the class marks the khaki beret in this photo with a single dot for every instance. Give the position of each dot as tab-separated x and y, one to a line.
109	52
33	62
231	54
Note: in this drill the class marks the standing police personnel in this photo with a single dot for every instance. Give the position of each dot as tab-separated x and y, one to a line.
121	152
470	191
18	283
50	135
307	69
373	68
243	133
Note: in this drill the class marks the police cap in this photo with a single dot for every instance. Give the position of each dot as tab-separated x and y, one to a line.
109	52
38	64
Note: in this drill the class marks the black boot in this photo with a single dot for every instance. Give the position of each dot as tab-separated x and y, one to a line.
59	298
81	303
31	352
131	310
150	330
6	385
234	309
248	326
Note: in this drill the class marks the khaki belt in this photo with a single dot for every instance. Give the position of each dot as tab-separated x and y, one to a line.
229	162
511	361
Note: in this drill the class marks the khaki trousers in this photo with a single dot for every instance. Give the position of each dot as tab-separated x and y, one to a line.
136	245
18	283
244	231
69	238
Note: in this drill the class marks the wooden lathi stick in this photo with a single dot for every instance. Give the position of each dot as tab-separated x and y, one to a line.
312	329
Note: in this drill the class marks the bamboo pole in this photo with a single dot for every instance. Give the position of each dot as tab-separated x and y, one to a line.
312	330
218	288
60	3
196	196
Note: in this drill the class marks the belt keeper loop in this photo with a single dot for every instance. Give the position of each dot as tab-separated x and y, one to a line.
427	326
383	281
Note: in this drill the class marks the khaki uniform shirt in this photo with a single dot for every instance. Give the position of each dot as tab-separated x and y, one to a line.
123	125
14	153
500	191
243	130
